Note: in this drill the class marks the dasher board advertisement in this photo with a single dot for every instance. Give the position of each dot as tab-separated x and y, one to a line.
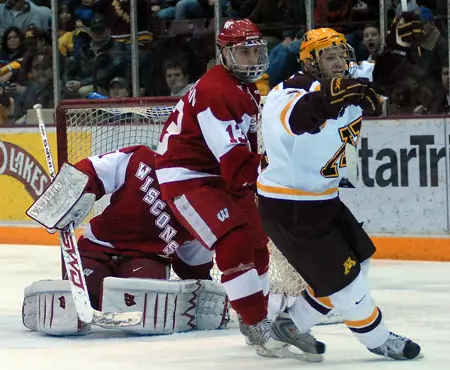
23	171
403	177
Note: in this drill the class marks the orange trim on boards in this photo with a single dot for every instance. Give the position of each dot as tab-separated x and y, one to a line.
413	248
27	235
388	247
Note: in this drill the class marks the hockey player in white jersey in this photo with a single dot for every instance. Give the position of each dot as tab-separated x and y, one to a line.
307	121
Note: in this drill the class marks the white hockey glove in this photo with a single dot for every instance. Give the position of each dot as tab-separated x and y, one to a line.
64	201
168	306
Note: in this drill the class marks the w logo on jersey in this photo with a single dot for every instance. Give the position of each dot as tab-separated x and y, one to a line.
223	214
129	299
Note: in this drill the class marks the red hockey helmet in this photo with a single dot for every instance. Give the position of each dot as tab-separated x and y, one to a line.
243	51
235	31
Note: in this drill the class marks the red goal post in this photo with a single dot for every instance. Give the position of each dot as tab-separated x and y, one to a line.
95	126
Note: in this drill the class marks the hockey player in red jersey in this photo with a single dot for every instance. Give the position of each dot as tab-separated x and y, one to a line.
135	236
208	165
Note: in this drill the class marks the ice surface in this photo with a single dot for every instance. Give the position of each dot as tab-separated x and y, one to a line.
414	297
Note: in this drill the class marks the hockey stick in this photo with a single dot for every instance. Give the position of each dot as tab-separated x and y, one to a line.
74	267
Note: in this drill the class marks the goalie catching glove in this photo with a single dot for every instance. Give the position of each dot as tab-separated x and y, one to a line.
64	201
340	92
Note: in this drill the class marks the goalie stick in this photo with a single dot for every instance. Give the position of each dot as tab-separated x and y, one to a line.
73	265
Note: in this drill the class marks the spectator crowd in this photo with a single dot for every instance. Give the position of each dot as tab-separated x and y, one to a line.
176	46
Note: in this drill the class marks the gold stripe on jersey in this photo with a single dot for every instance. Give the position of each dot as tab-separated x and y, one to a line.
325	301
285	111
290	191
315	86
367	324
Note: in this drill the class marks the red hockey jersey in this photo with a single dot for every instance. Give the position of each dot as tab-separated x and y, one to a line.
136	218
210	137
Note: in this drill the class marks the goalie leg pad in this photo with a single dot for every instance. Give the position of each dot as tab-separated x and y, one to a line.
64	201
212	308
48	308
168	306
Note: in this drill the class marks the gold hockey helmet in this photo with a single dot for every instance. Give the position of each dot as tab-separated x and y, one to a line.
314	42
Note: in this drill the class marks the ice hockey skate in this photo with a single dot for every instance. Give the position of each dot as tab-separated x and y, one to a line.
244	331
398	348
259	337
283	329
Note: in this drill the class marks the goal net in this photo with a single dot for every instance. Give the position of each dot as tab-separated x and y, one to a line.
93	127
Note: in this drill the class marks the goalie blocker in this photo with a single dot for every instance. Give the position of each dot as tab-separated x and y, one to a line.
168	306
64	201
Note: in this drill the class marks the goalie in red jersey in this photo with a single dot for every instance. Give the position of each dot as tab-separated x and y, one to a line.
126	251
207	170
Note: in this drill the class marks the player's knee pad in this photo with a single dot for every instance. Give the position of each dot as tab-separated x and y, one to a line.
360	313
232	250
365	268
354	302
167	306
48	308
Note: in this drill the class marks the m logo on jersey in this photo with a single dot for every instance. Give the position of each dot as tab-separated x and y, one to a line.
223	214
348	265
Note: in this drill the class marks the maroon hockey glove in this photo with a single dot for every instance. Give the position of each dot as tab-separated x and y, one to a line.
406	33
338	93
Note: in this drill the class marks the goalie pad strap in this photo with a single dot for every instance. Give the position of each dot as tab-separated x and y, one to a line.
64	201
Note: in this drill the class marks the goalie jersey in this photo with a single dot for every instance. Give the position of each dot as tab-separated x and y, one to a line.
299	164
136	218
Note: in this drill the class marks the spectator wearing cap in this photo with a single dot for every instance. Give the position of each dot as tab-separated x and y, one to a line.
434	51
119	88
177	77
86	10
95	64
22	13
118	14
36	42
40	87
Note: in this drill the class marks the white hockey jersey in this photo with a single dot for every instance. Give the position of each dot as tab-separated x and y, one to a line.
302	165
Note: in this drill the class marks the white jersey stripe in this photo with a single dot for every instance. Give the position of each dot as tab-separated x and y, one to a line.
111	169
193	253
195	221
243	285
179	174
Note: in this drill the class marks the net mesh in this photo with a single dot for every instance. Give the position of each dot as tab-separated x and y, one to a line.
93	127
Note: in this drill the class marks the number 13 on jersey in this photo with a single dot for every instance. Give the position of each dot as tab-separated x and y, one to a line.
174	127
